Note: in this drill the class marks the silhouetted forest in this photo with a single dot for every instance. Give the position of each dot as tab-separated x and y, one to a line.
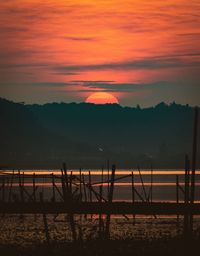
86	135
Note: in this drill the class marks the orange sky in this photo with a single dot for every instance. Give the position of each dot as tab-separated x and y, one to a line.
139	50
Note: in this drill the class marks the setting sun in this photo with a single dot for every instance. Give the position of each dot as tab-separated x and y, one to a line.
102	98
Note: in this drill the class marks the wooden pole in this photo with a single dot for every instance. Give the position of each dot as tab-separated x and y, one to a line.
85	192
34	188
186	195
71	177
80	198
80	184
90	189
69	201
151	197
194	152
144	190
133	194
90	183
177	197
53	188
108	175
21	186
10	188
102	173
34	195
63	185
66	181
3	189
80	194
187	178
100	215
84	188
110	198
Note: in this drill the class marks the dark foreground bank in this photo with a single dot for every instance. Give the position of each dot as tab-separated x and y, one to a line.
165	247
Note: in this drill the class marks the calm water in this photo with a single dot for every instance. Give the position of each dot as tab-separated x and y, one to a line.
16	230
163	183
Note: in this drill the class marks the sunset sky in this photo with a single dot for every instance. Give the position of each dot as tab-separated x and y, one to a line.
141	51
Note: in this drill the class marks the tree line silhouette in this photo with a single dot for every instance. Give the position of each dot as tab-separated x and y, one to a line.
87	135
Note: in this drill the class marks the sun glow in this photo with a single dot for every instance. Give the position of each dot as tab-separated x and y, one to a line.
102	98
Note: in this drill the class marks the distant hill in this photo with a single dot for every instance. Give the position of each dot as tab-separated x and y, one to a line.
86	135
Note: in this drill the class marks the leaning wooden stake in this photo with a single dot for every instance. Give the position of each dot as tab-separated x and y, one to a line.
143	187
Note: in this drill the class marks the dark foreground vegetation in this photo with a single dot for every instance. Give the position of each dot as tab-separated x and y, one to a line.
165	247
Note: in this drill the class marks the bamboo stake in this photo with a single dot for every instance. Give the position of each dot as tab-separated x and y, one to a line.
108	176
3	189
194	152
85	192
143	187
66	180
34	195
177	197
110	198
151	198
71	216
102	179
186	196
133	195
71	177
84	188
80	184
63	185
34	188
80	192
20	186
90	183
53	188
100	215
10	188
90	190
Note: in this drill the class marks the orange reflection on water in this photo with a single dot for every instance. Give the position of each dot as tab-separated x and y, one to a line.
96	172
117	184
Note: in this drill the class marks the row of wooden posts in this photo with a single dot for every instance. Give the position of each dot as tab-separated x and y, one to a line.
82	190
75	188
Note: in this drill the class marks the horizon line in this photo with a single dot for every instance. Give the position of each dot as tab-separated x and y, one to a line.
137	106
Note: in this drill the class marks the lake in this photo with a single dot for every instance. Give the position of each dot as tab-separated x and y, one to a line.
163	182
